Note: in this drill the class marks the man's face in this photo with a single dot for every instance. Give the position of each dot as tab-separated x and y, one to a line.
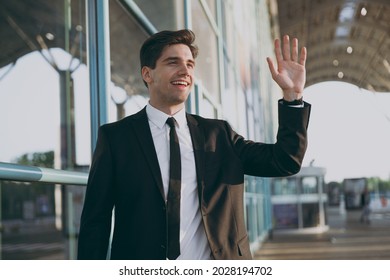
171	80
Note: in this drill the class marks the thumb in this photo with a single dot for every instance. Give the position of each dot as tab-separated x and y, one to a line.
271	67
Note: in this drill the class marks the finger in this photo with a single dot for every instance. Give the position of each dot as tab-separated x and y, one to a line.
294	51
278	51
302	60
271	67
286	47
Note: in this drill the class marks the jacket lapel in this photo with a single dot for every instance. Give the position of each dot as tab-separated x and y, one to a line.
145	140
197	137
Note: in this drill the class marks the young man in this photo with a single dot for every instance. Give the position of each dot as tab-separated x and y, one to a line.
199	214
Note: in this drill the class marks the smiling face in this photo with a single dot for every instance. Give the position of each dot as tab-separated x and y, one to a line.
170	82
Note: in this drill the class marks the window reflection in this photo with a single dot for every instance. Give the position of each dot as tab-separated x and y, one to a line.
309	185
212	7
284	186
172	10
44	108
285	216
128	92
207	61
208	110
44	81
310	214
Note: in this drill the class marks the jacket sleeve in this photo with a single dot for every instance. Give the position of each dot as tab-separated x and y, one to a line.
282	158
95	225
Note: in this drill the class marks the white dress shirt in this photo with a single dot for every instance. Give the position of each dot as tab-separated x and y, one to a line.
193	240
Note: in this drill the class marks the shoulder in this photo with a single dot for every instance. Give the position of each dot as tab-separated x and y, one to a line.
212	126
206	121
120	124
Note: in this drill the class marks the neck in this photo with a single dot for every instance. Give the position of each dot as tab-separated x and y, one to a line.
168	109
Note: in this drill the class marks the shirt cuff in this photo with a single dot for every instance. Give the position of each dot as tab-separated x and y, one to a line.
298	103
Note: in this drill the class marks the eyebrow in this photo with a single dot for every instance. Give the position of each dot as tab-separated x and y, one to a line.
175	58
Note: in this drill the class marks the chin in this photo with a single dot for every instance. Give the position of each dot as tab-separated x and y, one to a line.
182	97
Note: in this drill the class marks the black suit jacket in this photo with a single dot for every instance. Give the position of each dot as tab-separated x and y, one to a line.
125	173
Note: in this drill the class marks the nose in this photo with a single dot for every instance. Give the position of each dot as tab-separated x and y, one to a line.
184	70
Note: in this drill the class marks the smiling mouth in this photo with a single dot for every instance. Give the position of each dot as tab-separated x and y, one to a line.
180	83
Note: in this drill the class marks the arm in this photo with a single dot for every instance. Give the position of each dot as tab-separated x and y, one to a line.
283	158
95	223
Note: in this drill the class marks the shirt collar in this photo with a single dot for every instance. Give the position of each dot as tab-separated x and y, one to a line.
159	118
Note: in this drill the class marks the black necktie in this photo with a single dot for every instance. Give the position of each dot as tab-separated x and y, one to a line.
173	201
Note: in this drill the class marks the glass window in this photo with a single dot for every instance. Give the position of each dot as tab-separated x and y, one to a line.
25	201
284	186
44	108
207	61
285	216
247	215
155	9
260	214
44	82
128	93
211	6
229	97
228	28
310	214
309	185
207	109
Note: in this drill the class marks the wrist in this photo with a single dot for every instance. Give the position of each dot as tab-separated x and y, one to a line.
295	102
290	95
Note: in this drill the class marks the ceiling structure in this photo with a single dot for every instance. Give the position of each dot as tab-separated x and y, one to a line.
347	40
39	29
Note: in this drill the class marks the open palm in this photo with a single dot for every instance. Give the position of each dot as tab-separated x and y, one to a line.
290	73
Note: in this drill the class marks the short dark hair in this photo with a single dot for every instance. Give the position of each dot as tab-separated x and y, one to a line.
153	47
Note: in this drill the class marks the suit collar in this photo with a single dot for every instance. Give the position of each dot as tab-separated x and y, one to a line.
159	118
144	136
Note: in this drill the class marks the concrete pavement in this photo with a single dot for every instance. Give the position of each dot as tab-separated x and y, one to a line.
347	239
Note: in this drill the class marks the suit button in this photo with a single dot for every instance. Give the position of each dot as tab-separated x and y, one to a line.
163	247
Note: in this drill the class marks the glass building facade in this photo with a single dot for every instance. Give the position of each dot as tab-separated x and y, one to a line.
69	66
299	202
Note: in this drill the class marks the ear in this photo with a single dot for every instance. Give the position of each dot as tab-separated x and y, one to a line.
146	74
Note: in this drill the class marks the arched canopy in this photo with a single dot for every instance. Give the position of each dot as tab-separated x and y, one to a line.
347	40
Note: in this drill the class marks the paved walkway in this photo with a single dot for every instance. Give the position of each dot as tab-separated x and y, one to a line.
347	238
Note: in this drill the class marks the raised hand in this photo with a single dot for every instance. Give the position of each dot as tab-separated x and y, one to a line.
290	74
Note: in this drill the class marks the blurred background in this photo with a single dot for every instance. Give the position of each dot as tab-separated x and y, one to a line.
69	66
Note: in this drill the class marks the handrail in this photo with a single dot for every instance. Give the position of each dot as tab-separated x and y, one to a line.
24	173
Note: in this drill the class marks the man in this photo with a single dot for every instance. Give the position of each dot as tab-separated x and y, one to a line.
131	168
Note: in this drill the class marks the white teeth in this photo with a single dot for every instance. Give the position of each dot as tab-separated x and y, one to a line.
180	83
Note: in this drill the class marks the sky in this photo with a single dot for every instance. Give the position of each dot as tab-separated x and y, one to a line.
29	110
349	130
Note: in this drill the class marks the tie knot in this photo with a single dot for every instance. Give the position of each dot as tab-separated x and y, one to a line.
171	122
